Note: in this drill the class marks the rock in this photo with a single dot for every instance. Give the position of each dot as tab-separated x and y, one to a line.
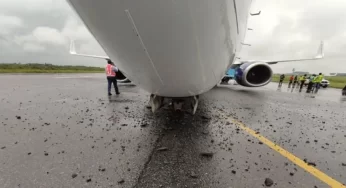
29	153
3	147
315	140
102	170
333	151
228	123
124	125
121	181
88	180
291	173
205	117
144	125
162	149
234	172
74	175
343	164
312	164
307	142
206	154
126	108
289	123
260	142
45	153
268	182
193	175
18	117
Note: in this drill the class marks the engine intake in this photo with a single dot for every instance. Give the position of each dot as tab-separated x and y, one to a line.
253	74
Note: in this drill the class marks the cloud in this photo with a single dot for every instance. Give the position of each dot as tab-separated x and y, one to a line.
9	23
32	47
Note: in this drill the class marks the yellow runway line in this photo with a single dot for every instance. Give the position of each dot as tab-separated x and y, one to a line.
312	170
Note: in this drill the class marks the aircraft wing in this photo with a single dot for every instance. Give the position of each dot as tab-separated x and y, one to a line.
73	52
319	55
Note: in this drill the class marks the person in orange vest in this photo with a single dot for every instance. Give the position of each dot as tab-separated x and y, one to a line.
291	81
111	70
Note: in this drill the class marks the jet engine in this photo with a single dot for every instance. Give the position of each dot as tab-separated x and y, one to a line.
121	78
253	74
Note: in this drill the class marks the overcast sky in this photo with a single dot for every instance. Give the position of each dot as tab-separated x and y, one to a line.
39	31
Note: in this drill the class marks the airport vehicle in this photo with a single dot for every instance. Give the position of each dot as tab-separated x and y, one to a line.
177	49
324	83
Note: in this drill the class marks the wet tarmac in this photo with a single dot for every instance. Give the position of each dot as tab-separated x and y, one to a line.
63	131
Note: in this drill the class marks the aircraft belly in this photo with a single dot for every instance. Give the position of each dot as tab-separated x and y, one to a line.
169	48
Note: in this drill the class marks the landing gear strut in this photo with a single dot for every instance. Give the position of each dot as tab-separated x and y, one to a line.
155	102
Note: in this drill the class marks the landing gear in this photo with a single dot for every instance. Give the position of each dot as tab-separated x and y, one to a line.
155	102
178	104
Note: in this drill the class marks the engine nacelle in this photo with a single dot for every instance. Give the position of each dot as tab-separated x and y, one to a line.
253	74
121	78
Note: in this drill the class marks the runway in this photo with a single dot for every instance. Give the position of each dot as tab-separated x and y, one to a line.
62	130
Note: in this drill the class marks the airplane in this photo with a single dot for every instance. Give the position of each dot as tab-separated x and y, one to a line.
174	49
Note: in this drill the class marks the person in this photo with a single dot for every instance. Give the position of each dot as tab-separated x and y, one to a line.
311	84
291	80
282	77
111	70
302	81
295	81
344	91
317	81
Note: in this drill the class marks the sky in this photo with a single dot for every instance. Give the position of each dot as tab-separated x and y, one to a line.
40	31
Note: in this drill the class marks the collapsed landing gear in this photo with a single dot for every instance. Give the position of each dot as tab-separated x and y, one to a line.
155	102
178	104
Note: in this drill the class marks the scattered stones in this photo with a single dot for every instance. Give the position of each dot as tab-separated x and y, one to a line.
162	149
102	170
268	182
74	175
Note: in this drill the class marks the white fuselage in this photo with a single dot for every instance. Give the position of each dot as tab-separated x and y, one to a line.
171	48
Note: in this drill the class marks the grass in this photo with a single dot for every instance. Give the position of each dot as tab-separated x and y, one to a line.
46	68
334	81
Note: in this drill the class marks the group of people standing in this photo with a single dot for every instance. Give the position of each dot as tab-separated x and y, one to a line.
314	82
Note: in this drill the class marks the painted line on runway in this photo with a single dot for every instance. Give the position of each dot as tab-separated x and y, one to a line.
312	170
